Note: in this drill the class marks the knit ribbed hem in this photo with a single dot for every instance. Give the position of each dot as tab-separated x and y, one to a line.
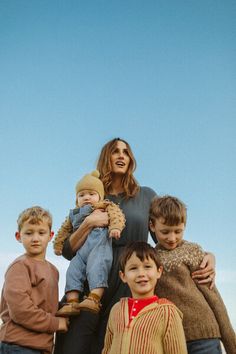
201	332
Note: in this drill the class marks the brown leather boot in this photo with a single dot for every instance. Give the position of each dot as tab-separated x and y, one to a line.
91	304
69	309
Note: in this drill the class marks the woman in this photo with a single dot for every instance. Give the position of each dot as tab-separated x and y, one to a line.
116	164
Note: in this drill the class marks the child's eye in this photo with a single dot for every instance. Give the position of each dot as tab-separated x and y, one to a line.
148	266
133	268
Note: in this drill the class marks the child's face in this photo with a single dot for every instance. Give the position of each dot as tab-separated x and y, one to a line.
35	238
87	197
141	277
169	237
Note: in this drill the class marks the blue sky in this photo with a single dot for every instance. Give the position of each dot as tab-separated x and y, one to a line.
160	74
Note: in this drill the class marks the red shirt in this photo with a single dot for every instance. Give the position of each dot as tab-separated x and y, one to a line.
136	305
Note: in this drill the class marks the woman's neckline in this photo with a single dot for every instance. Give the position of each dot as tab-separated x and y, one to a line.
116	194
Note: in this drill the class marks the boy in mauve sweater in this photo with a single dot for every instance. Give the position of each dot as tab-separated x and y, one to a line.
143	324
29	297
205	317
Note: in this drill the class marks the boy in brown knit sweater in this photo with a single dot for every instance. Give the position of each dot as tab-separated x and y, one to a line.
145	323
94	259
205	317
29	297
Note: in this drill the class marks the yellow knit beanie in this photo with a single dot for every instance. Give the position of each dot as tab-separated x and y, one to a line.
91	181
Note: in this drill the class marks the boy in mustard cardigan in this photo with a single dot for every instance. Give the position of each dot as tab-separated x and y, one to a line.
145	323
205	317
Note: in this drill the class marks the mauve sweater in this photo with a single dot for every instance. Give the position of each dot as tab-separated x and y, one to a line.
29	302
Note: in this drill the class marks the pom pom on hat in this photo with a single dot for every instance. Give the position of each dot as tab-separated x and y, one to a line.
91	181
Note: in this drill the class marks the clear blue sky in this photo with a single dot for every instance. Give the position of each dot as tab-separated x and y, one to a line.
160	74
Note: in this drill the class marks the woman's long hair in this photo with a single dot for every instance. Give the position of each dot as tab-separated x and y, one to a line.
129	183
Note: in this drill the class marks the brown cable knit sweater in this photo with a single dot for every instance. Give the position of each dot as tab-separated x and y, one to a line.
204	313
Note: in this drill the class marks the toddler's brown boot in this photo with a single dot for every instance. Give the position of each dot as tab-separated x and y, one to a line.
91	303
70	308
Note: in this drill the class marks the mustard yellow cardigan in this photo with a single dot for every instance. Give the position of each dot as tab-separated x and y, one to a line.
157	329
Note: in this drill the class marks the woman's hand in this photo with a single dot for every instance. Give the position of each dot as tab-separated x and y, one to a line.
206	273
98	218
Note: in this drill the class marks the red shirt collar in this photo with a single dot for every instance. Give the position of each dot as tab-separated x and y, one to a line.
136	305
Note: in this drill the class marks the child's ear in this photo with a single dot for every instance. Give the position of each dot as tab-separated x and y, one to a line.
17	236
51	234
151	226
122	276
160	270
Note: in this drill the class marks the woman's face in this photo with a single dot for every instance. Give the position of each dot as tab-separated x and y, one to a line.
120	158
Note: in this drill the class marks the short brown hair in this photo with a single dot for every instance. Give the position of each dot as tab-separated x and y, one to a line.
142	250
34	215
171	209
130	185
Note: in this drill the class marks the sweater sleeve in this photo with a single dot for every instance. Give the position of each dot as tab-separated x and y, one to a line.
174	339
22	310
215	302
116	217
108	335
63	234
217	305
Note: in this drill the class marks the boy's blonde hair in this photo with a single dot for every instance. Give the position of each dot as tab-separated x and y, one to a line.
34	215
172	210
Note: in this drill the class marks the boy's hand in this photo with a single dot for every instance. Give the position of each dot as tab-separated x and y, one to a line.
63	324
207	272
115	233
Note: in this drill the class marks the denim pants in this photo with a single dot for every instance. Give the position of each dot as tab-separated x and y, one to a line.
7	348
93	260
204	346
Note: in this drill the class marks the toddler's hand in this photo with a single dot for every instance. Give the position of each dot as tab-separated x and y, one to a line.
115	233
63	324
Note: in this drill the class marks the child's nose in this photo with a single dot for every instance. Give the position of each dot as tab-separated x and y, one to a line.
172	236
141	272
35	236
